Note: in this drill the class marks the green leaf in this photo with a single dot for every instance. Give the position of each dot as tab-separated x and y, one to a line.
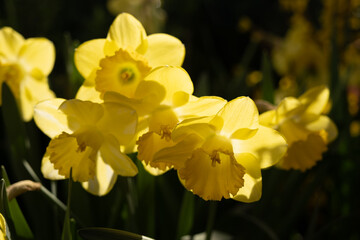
109	234
267	81
21	227
186	217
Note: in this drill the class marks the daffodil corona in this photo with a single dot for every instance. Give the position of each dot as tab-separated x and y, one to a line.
221	156
122	60
87	138
25	65
304	127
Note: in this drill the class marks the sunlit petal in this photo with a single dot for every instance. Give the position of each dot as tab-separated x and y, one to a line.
10	42
203	106
315	99
48	170
323	123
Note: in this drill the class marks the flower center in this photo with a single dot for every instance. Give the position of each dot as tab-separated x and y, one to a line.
215	156
121	73
165	132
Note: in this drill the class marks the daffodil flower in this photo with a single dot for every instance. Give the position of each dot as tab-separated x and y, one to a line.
87	138
25	65
163	99
221	156
304	127
2	228
122	60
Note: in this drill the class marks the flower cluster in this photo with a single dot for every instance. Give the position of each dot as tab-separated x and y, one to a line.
137	98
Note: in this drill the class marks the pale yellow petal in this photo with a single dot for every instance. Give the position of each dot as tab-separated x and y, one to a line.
174	79
268	118
288	107
252	189
164	49
81	113
152	170
198	126
315	99
203	106
38	53
88	55
323	123
10	43
48	170
32	92
127	32
49	118
119	162
120	121
240	117
86	93
267	145
293	131
103	181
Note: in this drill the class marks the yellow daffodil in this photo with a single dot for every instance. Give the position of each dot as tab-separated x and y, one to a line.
221	156
87	138
304	127
122	60
163	99
25	65
2	228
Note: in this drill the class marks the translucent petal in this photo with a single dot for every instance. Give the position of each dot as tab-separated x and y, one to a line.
315	99
120	162
81	113
174	79
48	170
65	153
212	181
267	145
120	121
49	118
323	123
10	43
252	189
268	118
38	53
103	181
293	131
164	49
177	154
198	126
303	155
88	93
127	32
240	113
88	55
288	107
203	106
31	92
152	170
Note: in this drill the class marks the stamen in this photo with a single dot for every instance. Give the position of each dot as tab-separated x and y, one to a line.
165	132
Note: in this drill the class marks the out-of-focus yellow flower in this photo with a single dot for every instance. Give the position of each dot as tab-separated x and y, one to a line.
25	65
87	138
163	99
221	156
122	60
354	128
2	228
304	127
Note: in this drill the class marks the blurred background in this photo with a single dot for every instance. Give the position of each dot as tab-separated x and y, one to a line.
265	49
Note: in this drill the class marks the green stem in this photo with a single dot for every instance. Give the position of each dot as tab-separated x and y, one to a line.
211	219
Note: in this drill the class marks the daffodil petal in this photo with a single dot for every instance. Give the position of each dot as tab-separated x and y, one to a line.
103	181
203	106
293	131
268	118
315	99
267	145
38	53
48	170
10	42
88	55
126	31
120	162
198	126
31	93
164	49
174	79
119	120
240	113
49	118
154	170
81	113
212	181
252	189
86	93
323	123
177	154
288	107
